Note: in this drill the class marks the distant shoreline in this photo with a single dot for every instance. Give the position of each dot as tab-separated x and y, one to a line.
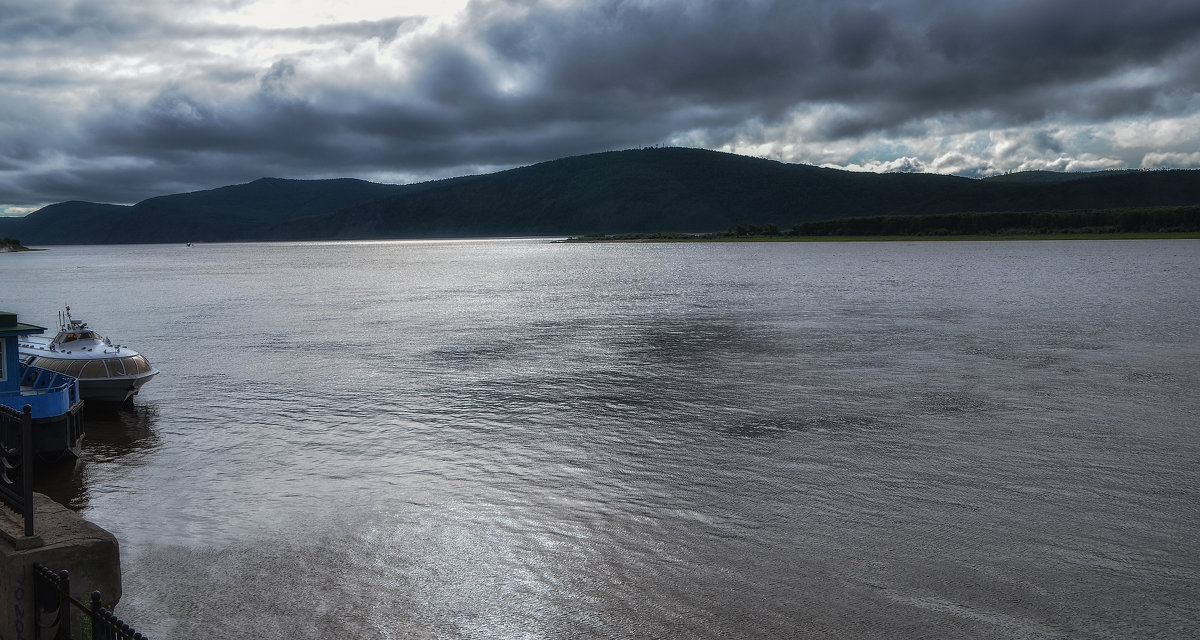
1089	224
665	238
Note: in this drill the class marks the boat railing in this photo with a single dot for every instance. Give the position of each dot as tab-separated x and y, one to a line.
36	380
49	392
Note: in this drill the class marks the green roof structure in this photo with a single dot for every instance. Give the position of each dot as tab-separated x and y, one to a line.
10	327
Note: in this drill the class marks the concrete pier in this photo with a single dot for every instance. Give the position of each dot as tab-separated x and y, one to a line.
62	540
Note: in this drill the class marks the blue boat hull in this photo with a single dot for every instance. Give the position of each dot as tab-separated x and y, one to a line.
56	409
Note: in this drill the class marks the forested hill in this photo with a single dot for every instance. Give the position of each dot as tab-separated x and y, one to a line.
646	190
238	212
693	190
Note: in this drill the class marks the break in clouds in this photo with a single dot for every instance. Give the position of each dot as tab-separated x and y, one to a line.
121	100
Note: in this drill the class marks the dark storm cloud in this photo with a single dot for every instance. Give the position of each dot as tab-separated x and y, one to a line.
902	60
523	81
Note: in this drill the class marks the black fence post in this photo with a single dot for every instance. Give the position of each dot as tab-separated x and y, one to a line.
53	602
27	463
64	608
52	605
99	629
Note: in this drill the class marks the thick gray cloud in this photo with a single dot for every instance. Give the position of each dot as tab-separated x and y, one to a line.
121	100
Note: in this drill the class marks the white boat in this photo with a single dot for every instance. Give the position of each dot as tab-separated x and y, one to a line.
108	373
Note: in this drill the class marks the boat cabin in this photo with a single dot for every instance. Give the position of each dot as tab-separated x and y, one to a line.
65	337
11	332
53	397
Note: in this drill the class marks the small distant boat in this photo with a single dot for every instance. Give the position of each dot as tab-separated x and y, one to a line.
108	373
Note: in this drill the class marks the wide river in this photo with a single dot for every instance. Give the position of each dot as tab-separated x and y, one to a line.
525	439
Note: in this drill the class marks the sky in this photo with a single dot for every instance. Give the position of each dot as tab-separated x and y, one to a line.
121	100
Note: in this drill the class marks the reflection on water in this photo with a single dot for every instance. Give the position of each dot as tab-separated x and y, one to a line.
126	434
64	483
112	435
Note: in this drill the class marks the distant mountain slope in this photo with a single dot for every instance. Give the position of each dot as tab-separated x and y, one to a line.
646	190
238	212
633	191
61	223
693	190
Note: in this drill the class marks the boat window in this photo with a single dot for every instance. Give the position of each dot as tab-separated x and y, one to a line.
53	364
69	367
116	366
140	363
94	369
71	337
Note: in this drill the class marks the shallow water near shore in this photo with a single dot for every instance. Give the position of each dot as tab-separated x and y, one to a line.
522	439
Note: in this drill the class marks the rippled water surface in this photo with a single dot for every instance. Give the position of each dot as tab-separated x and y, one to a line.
521	439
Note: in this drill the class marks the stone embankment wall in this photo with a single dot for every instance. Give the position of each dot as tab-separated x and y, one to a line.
62	540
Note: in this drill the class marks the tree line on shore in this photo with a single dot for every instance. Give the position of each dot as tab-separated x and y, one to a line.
1014	223
1091	221
11	244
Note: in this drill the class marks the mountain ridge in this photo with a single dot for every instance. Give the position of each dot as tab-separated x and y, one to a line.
641	190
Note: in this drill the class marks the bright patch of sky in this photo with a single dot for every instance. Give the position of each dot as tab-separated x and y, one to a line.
296	14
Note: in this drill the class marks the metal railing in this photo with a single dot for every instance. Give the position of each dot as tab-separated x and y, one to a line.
40	380
16	462
53	611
